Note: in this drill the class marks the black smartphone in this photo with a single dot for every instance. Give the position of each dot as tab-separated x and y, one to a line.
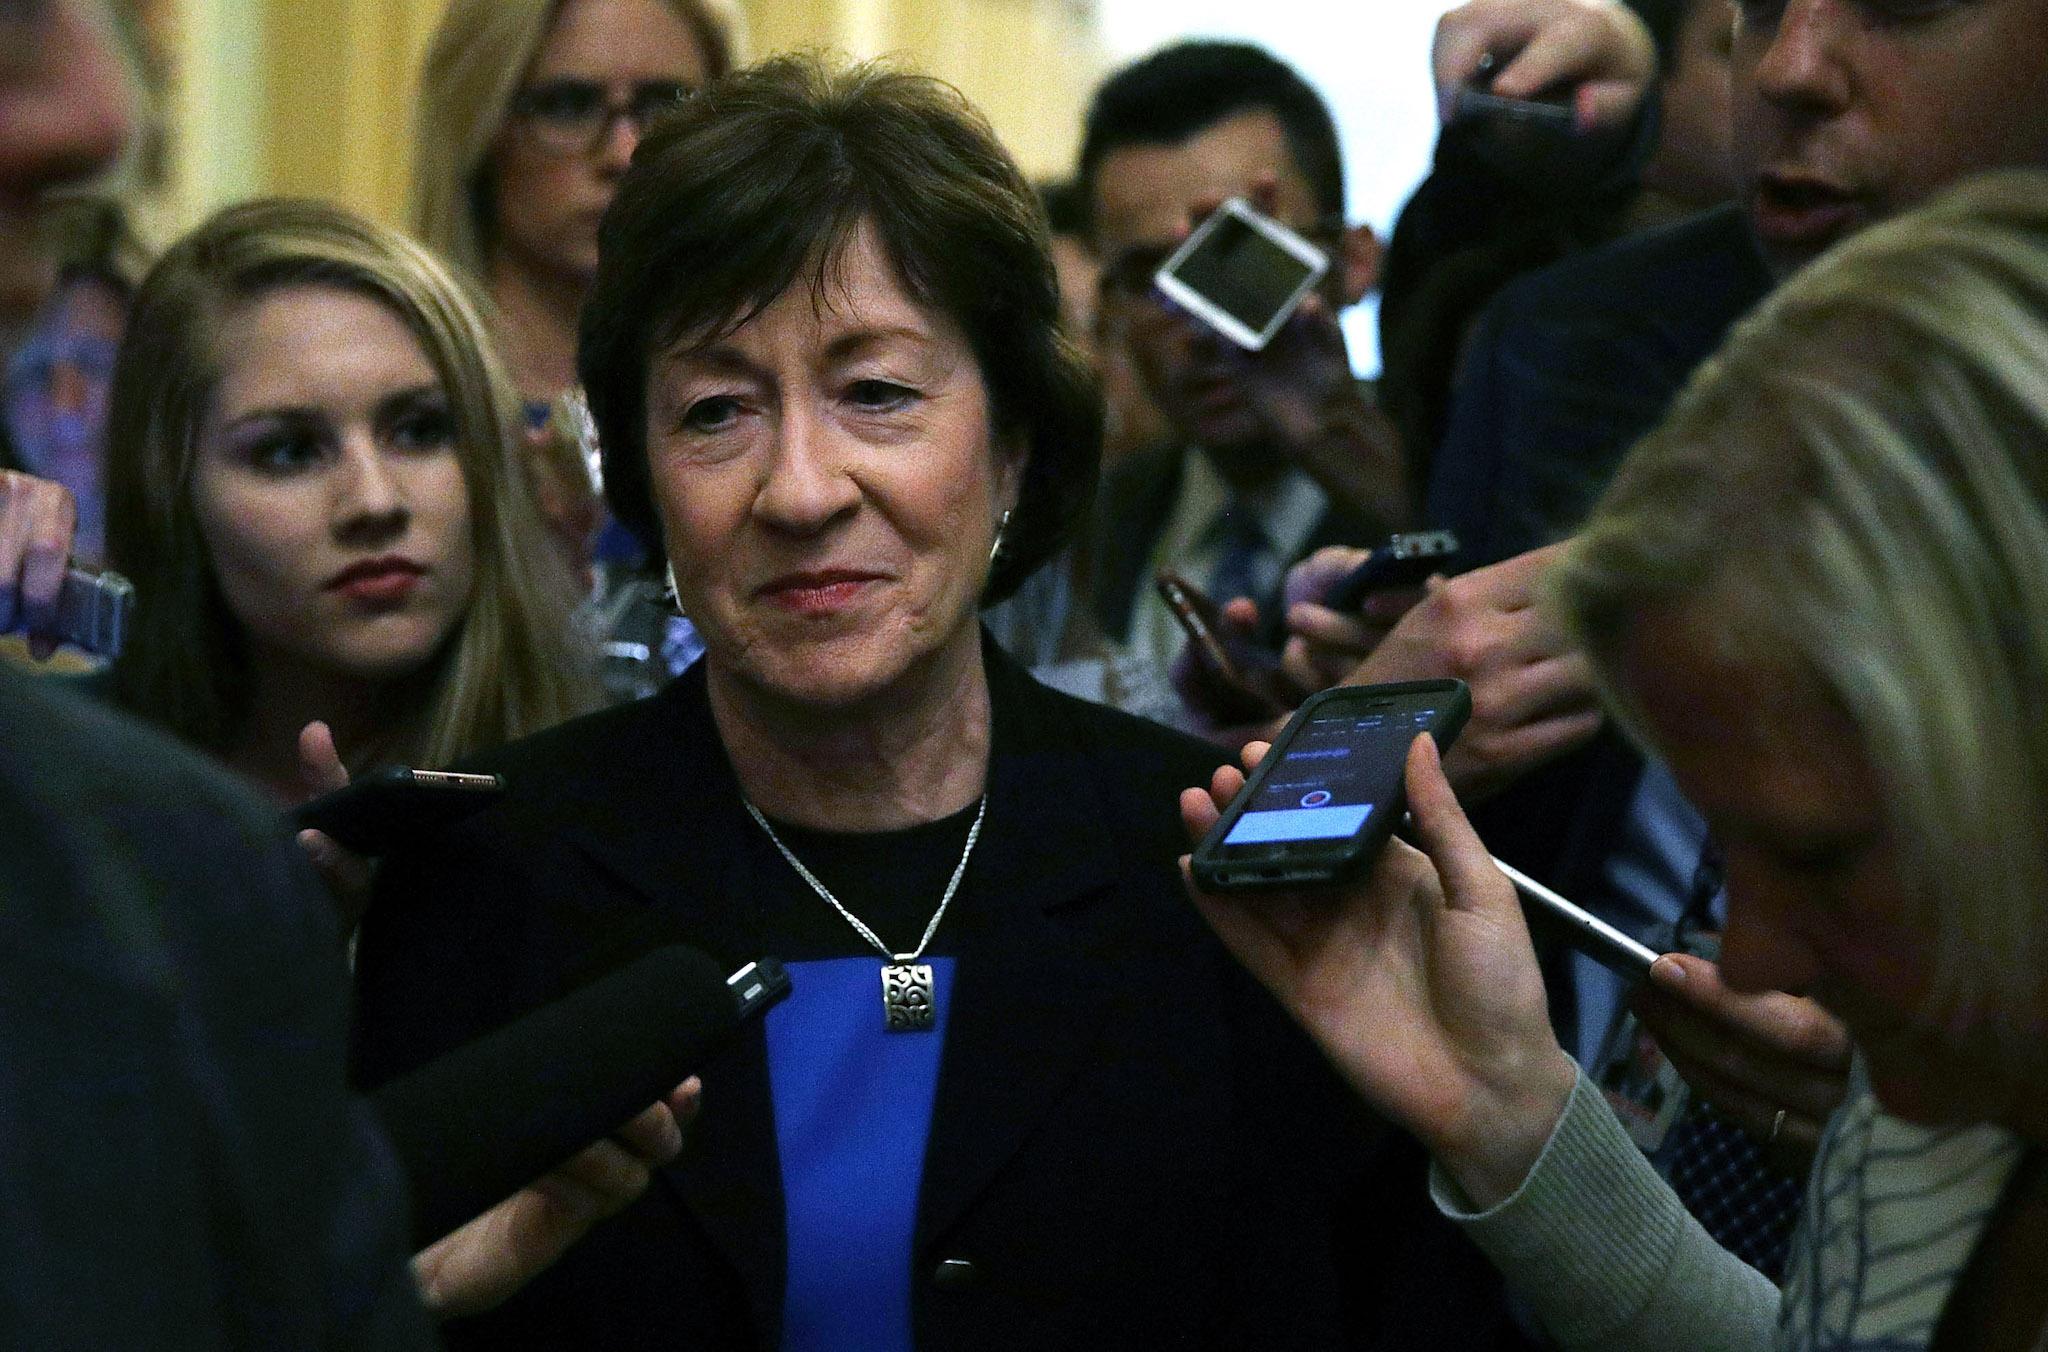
390	809
1476	105
1611	948
1403	561
1247	679
1323	802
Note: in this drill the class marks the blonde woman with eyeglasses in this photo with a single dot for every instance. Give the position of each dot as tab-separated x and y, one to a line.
529	111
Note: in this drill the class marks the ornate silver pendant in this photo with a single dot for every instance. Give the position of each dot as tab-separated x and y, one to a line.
908	1004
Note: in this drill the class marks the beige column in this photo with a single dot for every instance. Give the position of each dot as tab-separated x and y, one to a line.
1029	65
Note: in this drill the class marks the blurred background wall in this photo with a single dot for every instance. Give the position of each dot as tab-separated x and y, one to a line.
314	96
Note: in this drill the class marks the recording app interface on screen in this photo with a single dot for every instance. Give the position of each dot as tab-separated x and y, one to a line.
1247	275
1338	772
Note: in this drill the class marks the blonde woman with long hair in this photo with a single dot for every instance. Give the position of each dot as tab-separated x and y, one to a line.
529	111
1820	592
316	484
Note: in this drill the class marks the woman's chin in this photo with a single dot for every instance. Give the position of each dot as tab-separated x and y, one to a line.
842	672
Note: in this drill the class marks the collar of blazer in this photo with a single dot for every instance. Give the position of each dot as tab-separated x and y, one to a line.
1037	941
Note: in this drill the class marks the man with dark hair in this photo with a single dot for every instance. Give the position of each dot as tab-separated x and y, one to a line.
1282	450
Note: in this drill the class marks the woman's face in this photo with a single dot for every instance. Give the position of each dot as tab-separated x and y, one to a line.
555	165
829	486
1817	904
328	489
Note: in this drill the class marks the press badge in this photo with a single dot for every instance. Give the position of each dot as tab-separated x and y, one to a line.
1640	1083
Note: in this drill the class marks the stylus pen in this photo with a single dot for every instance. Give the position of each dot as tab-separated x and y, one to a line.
1631	957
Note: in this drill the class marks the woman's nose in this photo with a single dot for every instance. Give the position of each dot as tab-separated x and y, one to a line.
1764	945
807	485
371	498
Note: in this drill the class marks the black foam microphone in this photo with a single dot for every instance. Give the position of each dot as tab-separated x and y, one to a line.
482	1122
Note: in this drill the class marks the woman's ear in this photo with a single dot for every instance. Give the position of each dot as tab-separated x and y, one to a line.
1013	453
1357	263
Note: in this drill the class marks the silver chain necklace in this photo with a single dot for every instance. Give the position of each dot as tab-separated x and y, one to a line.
909	1002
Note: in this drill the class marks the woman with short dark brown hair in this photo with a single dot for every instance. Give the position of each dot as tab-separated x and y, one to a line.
1019	1098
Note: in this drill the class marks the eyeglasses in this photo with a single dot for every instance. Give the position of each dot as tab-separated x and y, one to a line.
570	117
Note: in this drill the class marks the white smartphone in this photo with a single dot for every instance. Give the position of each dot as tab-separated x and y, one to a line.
1583	930
1242	273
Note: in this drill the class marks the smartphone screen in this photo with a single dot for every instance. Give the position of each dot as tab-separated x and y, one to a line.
1341	767
1330	792
1247	275
1242	273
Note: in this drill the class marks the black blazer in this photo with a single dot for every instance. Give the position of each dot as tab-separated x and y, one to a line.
1130	1145
180	1167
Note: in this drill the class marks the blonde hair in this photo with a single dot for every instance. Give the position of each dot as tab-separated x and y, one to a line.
1856	490
514	663
475	63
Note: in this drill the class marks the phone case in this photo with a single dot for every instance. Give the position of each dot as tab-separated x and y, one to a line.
1214	871
390	809
1404	561
1248	685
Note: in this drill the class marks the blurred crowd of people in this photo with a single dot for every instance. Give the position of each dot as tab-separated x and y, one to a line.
842	549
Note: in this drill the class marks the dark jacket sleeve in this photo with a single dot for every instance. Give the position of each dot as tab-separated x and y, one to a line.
186	1167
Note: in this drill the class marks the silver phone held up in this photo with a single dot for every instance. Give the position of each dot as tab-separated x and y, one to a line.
93	611
1598	940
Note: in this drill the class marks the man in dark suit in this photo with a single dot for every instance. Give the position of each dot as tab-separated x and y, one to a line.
1280	452
183	1167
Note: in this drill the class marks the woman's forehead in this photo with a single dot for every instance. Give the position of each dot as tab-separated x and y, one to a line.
850	293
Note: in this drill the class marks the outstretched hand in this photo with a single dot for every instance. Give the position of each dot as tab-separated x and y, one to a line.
483	1263
1418	980
347	874
1598	51
37	520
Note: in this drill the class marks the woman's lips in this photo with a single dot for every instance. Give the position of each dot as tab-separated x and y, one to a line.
379	583
822	593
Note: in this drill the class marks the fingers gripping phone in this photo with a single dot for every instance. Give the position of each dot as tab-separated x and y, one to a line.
93	610
1324	800
1242	273
1247	677
393	808
1403	561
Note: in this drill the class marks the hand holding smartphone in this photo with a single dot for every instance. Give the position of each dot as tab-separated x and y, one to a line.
389	809
1403	561
1329	793
94	610
1248	683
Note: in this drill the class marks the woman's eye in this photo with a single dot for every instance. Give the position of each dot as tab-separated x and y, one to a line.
429	429
284	453
879	395
715	414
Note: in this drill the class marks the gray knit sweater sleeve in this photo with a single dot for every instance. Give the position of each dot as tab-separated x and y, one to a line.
1605	1253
